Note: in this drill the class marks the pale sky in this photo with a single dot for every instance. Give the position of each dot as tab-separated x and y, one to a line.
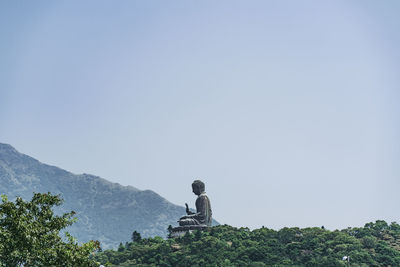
287	110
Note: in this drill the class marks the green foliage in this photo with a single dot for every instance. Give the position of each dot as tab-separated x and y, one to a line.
29	234
136	237
376	244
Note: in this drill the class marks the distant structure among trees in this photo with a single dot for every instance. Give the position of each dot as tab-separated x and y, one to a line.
199	220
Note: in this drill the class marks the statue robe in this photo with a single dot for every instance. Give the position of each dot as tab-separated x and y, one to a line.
203	215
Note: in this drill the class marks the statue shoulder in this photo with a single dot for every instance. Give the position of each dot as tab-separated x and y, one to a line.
203	197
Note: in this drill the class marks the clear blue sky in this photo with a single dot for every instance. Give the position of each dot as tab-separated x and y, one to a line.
288	110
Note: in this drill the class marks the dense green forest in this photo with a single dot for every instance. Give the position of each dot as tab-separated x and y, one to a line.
375	244
30	235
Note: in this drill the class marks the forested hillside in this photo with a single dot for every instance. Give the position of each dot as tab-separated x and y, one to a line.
375	244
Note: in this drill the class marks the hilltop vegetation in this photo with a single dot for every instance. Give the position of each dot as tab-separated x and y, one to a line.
375	244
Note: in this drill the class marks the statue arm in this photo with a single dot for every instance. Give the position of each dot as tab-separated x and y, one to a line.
193	215
188	212
200	209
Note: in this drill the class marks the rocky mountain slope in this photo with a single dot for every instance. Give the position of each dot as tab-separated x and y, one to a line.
106	211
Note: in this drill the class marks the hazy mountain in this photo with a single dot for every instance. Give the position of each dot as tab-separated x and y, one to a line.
106	211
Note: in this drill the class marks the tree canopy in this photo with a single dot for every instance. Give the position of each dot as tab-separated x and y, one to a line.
375	244
30	234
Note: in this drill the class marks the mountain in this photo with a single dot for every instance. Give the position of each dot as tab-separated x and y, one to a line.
108	212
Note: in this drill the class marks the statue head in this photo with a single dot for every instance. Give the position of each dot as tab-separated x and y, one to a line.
198	187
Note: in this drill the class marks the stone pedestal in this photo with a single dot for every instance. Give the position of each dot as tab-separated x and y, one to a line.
182	230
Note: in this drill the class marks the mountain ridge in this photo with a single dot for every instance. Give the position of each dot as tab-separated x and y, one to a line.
106	211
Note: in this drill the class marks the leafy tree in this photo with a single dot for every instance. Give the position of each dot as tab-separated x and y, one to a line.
121	247
169	229
136	237
30	234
